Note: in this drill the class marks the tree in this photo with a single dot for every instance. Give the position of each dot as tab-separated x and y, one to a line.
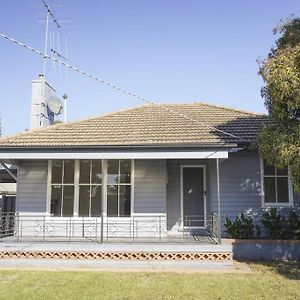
279	141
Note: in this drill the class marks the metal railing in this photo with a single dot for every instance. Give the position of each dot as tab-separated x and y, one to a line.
149	228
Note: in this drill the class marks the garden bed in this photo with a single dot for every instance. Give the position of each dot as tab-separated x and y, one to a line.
265	249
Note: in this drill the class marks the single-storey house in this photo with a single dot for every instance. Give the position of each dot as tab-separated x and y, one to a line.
156	171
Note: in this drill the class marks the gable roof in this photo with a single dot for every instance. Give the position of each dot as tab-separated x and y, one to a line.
147	125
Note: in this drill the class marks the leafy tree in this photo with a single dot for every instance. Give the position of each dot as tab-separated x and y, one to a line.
279	141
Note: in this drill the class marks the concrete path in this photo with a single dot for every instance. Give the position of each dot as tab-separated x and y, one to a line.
123	266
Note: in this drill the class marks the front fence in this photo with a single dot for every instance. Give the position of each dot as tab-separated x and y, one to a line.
151	228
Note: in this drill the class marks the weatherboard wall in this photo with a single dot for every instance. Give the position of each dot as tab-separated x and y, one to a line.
32	186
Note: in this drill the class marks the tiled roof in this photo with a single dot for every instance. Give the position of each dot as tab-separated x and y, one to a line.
147	125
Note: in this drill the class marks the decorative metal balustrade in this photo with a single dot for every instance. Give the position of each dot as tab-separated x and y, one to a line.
150	228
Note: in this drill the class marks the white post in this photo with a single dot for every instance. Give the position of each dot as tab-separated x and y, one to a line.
219	200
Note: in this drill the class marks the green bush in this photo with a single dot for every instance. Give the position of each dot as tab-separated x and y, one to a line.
293	226
280	227
241	228
275	224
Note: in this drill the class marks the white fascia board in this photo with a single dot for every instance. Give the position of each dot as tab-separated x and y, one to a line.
205	154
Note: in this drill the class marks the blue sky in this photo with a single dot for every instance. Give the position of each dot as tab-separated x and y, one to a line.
170	51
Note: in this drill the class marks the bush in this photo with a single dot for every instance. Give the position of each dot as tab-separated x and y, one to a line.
280	227
241	228
275	224
293	226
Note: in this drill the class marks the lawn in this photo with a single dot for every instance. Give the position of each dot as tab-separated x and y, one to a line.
268	281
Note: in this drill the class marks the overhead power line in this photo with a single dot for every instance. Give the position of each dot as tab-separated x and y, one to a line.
127	92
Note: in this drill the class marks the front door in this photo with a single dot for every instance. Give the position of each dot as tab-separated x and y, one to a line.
193	208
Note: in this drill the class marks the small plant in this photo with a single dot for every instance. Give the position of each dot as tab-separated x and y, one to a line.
293	226
241	228
275	224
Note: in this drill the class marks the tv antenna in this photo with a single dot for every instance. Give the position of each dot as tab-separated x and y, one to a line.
54	20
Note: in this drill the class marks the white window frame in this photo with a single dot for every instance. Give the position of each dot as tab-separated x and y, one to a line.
290	189
131	184
90	184
62	184
103	188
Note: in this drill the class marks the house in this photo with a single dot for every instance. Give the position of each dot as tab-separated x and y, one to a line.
150	171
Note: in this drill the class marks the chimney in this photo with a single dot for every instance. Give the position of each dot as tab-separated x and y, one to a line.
41	92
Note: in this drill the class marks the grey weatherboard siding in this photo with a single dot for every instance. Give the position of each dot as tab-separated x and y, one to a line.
32	186
150	194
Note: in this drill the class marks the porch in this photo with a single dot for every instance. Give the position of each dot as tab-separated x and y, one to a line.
15	227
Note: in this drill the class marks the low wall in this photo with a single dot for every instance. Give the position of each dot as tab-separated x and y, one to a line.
265	250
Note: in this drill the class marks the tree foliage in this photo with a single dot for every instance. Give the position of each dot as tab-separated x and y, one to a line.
279	141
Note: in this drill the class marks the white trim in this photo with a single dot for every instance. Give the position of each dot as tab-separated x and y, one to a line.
201	154
104	189
49	178
290	189
76	188
204	191
132	188
149	215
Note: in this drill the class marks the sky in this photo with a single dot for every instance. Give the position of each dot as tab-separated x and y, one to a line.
168	51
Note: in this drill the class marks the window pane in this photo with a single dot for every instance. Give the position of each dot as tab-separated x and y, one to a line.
282	171
282	190
269	188
68	171
84	200
68	200
268	169
96	171
125	170
124	202
56	192
84	174
112	200
57	171
96	201
112	171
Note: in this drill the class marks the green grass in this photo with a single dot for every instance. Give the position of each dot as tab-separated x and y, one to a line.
268	281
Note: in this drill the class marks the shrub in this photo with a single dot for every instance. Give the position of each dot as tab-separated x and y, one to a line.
241	228
275	224
293	226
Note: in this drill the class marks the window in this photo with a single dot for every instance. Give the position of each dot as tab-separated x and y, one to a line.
90	183
62	187
76	187
118	187
276	184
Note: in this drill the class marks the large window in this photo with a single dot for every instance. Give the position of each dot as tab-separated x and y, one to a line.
90	183
277	188
62	187
77	187
118	187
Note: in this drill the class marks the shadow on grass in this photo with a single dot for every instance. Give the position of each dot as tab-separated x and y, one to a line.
288	269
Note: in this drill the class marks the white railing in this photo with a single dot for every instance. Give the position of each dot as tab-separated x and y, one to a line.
43	228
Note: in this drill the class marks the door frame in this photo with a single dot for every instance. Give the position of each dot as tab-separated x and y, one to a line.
203	167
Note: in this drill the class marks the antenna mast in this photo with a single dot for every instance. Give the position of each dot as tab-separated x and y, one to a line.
49	15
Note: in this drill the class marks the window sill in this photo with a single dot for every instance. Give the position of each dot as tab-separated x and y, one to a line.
271	205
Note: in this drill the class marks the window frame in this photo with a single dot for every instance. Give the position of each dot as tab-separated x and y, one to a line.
104	185
290	203
90	185
131	184
62	184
